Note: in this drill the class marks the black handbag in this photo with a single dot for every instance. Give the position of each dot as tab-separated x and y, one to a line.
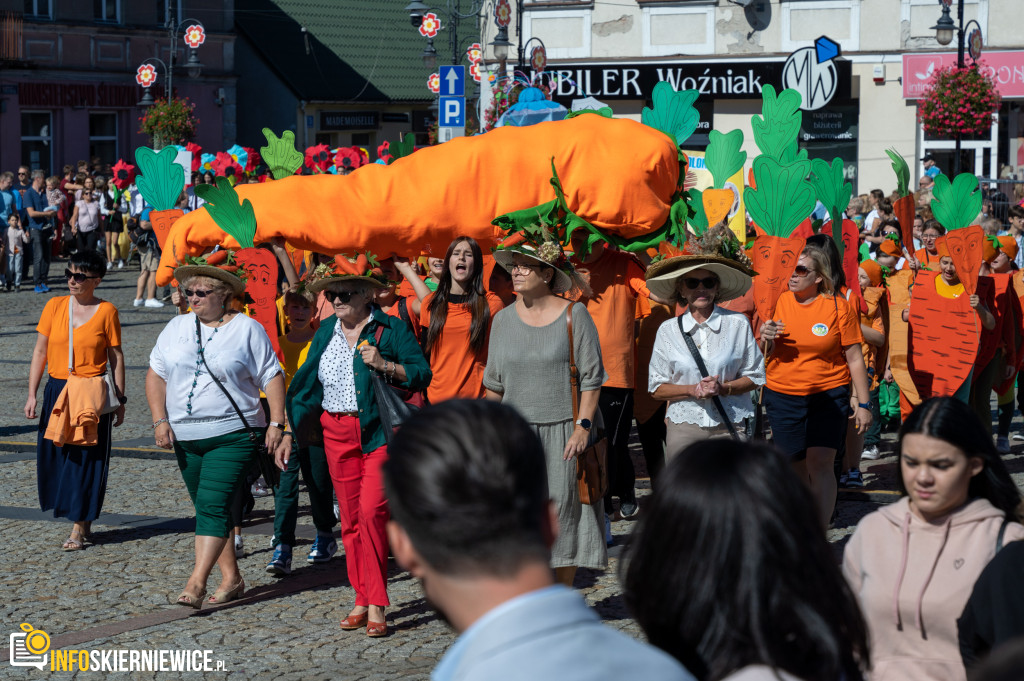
264	458
394	403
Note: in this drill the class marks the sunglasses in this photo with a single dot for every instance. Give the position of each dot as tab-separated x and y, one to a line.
22	174
706	282
198	293
802	271
343	296
79	277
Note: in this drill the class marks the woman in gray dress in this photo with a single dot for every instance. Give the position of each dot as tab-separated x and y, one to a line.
528	368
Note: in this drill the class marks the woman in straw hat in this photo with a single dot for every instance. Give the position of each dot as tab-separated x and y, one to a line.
331	398
723	338
192	414
528	368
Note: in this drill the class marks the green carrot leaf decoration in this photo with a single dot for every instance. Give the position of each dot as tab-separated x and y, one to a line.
831	187
605	111
956	205
783	197
160	179
776	130
238	220
405	145
280	155
902	170
673	112
699	219
723	158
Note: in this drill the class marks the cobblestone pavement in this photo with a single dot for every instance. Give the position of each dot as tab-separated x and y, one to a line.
114	595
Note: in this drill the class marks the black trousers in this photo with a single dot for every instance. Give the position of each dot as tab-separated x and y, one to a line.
616	405
652	439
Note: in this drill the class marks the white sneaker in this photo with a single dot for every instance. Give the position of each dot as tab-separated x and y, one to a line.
871	453
1002	445
138	302
120	264
153	302
1017	436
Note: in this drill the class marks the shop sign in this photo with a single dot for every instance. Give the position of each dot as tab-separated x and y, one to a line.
1006	68
54	95
721	80
349	120
832	123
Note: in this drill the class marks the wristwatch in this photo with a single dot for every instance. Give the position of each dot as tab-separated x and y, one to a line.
864	405
122	399
275	424
585	424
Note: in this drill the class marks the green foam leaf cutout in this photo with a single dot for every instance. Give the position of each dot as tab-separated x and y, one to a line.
783	197
956	205
237	219
280	155
902	170
161	179
723	157
834	192
405	145
699	219
673	112
777	128
605	111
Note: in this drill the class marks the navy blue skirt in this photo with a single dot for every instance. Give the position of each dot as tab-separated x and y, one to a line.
72	480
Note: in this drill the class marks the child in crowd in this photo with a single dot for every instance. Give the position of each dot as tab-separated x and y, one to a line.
14	247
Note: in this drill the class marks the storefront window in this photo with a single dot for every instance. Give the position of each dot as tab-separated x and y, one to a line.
107	10
39	8
103	137
37	139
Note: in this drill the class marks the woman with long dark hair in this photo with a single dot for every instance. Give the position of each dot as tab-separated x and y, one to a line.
457	319
912	564
729	572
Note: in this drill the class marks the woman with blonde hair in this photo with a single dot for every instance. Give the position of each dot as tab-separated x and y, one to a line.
813	353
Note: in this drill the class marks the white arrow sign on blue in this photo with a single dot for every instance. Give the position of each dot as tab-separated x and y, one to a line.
453	81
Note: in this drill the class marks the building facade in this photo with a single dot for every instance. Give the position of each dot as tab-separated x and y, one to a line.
729	49
67	76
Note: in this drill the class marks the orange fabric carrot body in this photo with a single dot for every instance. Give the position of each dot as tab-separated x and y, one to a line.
619	175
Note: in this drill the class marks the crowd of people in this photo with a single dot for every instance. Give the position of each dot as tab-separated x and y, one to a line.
728	572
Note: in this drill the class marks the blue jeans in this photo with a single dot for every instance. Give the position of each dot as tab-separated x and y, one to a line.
14	269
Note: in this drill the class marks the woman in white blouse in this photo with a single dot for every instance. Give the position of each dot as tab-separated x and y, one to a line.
723	338
192	415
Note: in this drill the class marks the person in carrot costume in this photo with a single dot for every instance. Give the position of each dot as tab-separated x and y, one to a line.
928	256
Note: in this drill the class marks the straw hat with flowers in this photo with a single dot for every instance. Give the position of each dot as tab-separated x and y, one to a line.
363	268
220	265
717	251
539	243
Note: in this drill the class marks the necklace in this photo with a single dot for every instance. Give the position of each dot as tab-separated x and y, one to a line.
199	362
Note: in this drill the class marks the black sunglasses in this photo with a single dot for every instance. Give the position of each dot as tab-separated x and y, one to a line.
79	277
343	296
706	282
198	293
801	270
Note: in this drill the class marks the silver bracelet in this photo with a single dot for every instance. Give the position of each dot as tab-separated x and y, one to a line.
157	423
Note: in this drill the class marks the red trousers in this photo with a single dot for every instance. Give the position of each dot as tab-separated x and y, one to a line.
363	508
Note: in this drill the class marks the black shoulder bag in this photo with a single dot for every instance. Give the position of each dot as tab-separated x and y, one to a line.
264	459
704	374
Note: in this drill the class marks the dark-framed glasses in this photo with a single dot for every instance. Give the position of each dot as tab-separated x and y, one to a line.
343	296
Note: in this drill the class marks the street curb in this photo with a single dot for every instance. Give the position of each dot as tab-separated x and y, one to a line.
126	452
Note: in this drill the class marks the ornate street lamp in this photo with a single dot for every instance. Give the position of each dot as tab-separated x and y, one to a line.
194	36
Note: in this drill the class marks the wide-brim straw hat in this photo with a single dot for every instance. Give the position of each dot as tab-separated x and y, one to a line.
562	281
324	282
185	272
734	278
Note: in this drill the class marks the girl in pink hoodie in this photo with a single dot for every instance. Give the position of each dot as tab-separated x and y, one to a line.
912	564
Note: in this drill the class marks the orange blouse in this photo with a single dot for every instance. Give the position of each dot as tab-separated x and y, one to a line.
92	339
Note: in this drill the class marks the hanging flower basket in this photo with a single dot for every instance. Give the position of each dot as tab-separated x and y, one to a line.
959	101
171	122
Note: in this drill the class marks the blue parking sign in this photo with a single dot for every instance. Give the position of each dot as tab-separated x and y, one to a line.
452	112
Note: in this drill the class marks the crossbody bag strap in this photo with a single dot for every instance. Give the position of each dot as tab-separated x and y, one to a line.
71	337
1002	535
704	373
574	374
234	405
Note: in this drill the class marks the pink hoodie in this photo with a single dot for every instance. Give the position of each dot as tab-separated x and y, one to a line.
912	580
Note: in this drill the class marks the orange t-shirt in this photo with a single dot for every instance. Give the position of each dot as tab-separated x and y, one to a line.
617	279
808	357
458	372
92	339
926	260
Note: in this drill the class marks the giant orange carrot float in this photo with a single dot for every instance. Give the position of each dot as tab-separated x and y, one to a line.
623	176
781	199
160	184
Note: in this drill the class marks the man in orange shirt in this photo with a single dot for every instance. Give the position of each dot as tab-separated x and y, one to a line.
617	281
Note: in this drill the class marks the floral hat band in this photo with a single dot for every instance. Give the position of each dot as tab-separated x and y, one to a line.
546	251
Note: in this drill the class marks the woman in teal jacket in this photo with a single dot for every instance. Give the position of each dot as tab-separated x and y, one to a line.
331	399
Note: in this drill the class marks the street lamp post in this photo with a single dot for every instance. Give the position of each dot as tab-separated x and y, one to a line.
501	44
418	10
194	36
944	30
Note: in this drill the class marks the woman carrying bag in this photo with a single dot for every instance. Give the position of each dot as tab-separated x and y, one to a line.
706	361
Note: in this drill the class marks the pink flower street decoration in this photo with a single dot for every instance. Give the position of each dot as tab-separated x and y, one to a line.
502	13
195	36
145	75
434	83
475	53
538	58
430	25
